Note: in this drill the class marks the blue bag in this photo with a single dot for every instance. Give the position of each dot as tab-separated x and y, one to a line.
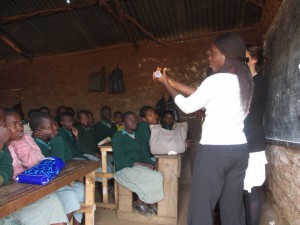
43	172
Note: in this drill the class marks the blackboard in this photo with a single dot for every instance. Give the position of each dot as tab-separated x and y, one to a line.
282	47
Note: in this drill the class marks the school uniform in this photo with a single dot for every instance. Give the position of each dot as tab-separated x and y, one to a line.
70	143
146	183
45	211
70	197
104	129
6	169
222	156
87	141
144	130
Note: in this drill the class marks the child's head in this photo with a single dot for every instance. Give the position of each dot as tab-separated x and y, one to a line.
60	109
168	118
66	120
148	114
14	123
71	111
31	111
90	117
106	113
44	109
43	121
118	117
82	118
130	121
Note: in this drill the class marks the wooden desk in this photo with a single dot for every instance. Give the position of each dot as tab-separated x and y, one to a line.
167	209
14	196
105	175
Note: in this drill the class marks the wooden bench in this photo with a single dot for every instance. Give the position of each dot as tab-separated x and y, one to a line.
104	149
167	209
14	196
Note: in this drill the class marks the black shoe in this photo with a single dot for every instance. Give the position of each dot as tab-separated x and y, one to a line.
143	209
153	207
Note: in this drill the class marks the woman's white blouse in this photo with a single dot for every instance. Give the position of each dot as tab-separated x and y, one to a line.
224	116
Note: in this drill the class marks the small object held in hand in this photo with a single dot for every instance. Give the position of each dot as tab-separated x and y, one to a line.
157	74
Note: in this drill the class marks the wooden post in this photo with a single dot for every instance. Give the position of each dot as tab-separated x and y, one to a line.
105	176
170	168
90	198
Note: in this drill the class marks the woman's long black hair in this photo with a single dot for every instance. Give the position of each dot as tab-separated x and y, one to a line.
233	47
256	52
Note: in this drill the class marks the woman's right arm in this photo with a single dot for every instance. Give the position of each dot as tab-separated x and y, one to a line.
182	88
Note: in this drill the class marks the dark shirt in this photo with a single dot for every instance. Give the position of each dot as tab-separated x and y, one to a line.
70	143
104	129
254	128
87	141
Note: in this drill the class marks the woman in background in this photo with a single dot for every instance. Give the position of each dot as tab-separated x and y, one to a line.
255	134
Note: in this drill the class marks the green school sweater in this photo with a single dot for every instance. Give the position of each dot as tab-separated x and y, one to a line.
127	150
87	142
55	147
70	143
6	168
104	129
144	130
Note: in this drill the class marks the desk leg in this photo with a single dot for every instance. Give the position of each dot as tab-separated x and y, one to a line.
90	198
169	169
104	179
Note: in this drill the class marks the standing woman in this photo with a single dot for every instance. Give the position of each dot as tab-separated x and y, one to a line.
222	158
255	133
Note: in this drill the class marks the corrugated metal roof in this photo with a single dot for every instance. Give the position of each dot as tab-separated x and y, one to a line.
94	27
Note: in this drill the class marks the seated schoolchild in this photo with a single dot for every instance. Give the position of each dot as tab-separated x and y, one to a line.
86	136
71	141
168	120
148	117
45	211
105	128
90	117
59	111
27	129
134	167
70	135
118	120
46	136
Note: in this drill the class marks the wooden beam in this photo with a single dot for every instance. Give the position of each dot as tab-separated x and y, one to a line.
47	12
122	18
14	45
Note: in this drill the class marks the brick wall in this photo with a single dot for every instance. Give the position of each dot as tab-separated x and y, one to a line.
63	80
283	176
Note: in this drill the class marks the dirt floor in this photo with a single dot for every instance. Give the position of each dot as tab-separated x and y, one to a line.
107	216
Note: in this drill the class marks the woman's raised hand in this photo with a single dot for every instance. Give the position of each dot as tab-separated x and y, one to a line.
160	77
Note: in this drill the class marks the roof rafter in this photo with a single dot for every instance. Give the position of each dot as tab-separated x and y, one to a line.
15	45
122	17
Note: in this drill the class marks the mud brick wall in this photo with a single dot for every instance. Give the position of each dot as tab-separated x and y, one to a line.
63	80
283	179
